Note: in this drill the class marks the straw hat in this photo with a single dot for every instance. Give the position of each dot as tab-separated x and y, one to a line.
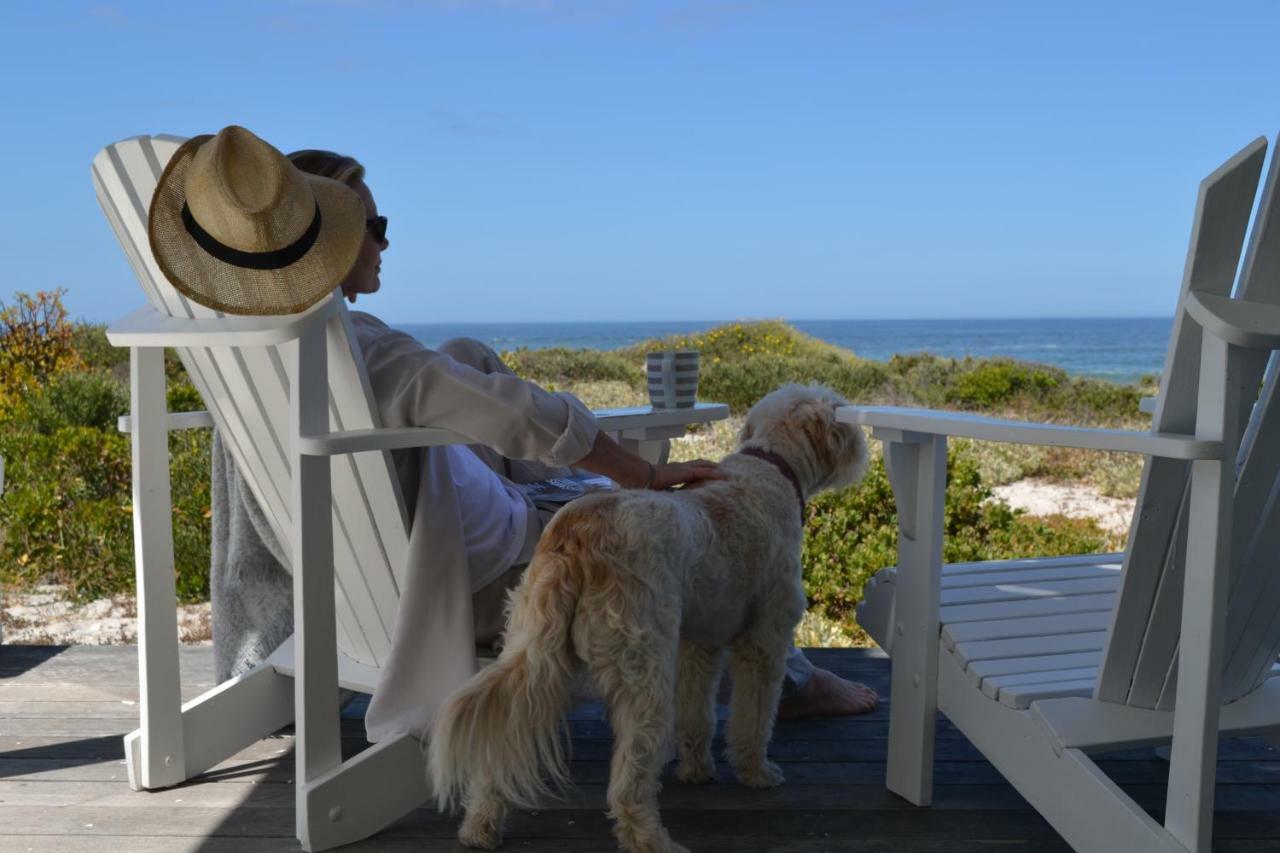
236	227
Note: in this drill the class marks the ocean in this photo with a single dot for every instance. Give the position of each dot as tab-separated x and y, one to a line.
1117	349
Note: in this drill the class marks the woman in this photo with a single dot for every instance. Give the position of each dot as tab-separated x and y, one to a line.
529	434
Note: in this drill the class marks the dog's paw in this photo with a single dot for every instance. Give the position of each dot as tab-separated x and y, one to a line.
656	845
765	775
696	771
481	833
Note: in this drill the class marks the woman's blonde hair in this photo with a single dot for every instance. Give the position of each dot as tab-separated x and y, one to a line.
327	164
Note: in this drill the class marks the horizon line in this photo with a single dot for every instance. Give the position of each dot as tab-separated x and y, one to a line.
1166	318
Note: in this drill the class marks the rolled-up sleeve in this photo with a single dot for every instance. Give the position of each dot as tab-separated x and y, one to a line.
415	386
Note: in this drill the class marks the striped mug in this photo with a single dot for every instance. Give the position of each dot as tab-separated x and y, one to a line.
673	378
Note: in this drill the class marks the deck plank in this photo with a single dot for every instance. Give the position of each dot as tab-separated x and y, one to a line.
63	783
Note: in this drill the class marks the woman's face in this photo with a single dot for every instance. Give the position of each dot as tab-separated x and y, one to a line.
364	276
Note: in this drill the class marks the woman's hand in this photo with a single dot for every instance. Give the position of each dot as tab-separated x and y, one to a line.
632	472
682	473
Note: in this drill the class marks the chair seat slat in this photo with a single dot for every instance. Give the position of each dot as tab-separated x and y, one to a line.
1021	697
1034	663
1011	610
992	688
973	651
1030	589
1073	572
953	570
1035	626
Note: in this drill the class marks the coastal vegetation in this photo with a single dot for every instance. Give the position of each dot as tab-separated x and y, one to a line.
65	514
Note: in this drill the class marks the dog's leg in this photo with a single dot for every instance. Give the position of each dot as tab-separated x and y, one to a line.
641	716
699	668
757	663
637	675
486	813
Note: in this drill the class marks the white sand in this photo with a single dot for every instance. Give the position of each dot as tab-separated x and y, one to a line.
1041	497
46	617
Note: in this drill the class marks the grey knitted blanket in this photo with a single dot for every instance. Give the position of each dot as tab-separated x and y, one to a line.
250	585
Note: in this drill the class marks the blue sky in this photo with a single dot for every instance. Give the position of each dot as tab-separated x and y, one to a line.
703	159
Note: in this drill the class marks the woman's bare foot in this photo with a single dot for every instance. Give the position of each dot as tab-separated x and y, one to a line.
826	694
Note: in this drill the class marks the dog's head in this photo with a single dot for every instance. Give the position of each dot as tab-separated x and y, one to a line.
799	424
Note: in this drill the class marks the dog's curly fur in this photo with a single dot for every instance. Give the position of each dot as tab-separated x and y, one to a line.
646	591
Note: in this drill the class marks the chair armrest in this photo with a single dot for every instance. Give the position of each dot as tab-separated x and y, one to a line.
647	417
361	440
613	420
148	327
355	441
332	443
928	422
1243	322
1147	405
175	421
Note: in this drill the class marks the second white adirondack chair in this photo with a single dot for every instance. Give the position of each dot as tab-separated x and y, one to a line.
291	397
1042	662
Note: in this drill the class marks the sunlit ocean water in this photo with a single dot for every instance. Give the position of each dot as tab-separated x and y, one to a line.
1118	349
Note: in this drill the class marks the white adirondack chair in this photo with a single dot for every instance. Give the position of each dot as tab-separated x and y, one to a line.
1041	662
344	520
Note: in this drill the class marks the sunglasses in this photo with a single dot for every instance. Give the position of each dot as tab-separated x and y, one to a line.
377	227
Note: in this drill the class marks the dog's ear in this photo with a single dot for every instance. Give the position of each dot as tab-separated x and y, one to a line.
840	449
817	421
852	454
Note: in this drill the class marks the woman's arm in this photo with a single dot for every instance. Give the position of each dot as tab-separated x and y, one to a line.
609	458
415	386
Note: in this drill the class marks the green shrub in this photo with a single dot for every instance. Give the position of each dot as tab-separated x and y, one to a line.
742	383
189	484
86	398
557	366
181	395
66	514
35	344
67	510
743	341
849	535
741	362
90	340
996	382
1003	385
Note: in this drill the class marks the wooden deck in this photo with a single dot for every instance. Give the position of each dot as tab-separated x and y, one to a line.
62	782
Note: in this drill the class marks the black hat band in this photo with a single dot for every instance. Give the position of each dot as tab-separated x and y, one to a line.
273	260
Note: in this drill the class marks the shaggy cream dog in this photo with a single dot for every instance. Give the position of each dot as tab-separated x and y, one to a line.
646	591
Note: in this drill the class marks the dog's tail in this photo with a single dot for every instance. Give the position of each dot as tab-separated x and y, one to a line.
503	728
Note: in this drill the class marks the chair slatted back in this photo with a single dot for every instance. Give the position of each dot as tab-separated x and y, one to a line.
1253	626
246	390
1140	664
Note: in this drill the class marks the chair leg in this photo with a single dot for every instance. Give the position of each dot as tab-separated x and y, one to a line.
160	761
363	795
318	743
1198	702
222	721
918	469
1078	800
